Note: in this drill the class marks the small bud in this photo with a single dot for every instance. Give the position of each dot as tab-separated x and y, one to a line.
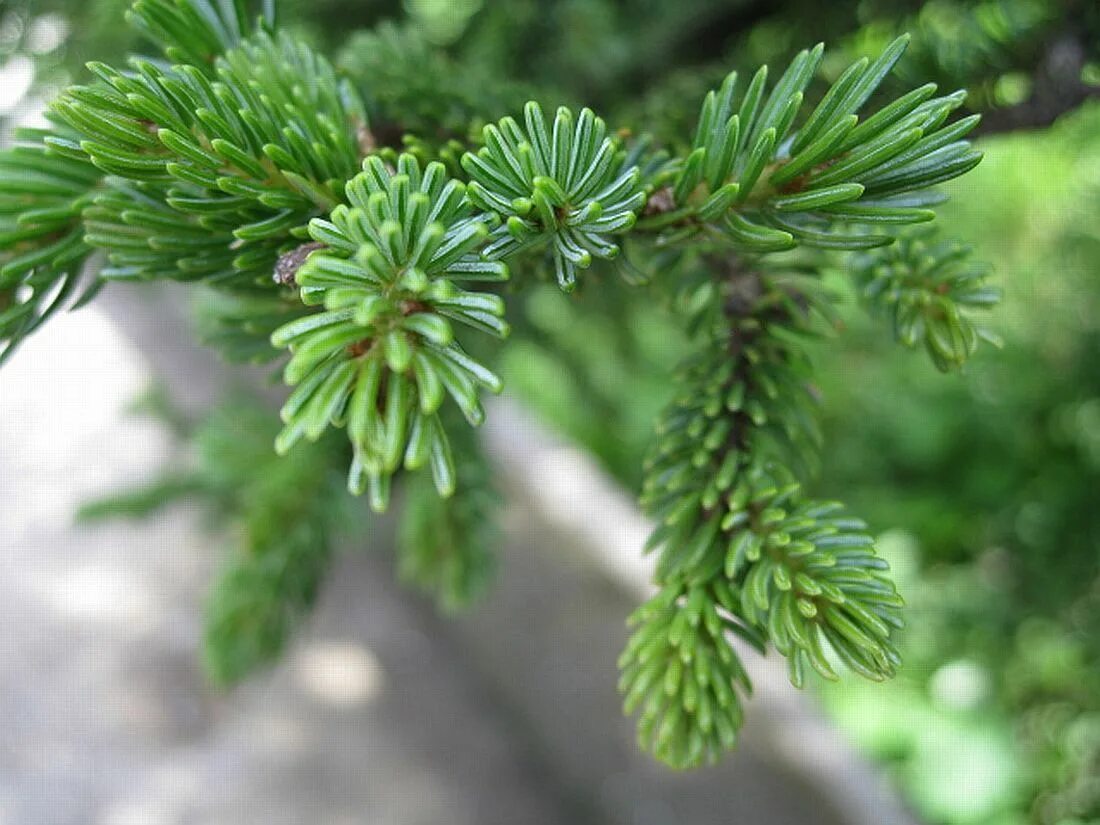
286	268
660	202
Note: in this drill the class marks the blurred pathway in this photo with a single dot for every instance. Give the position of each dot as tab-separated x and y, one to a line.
104	719
381	714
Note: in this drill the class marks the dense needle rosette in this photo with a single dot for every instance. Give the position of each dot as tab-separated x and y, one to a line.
381	357
567	186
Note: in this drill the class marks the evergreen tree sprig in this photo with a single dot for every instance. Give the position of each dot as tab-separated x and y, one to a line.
42	246
564	185
736	540
679	672
195	32
213	175
767	182
929	287
287	512
382	356
445	544
245	163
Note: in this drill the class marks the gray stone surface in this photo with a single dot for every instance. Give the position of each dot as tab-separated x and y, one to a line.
104	717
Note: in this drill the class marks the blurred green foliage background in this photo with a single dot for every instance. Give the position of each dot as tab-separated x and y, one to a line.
993	479
985	485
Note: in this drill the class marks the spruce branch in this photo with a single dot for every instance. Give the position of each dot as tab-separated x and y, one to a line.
810	579
736	540
564	185
680	672
382	356
49	184
42	246
239	165
929	288
287	512
445	544
195	32
767	184
214	175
